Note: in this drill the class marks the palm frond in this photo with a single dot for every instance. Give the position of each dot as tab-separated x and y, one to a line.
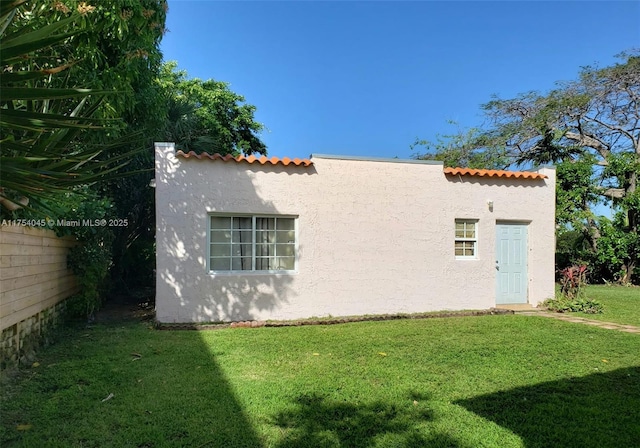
43	152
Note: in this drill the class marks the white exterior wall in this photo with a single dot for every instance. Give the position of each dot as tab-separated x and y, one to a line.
374	237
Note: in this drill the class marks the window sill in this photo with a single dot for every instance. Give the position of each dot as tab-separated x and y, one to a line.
250	273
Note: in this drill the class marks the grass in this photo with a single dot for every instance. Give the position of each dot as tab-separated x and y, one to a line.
490	381
621	303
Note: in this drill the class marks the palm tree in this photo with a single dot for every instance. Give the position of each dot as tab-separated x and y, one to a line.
42	120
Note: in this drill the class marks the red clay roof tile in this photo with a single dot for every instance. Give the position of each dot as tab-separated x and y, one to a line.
494	173
249	159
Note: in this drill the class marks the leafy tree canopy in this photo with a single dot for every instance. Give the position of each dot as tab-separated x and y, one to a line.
207	115
590	128
469	149
96	69
78	80
114	46
47	120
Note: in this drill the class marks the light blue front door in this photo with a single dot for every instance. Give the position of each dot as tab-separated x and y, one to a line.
511	263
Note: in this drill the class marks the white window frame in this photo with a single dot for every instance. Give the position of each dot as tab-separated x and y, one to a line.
473	241
253	269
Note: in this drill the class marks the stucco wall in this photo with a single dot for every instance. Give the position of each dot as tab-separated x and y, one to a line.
374	237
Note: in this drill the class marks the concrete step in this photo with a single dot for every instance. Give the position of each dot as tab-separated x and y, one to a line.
517	307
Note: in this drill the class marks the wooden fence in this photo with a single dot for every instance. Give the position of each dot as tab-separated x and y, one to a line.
34	281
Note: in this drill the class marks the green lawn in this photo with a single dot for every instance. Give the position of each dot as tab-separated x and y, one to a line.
621	303
491	381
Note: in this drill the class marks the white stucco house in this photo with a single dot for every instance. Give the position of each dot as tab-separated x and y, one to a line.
251	238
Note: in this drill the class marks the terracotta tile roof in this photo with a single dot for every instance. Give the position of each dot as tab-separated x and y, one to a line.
494	173
249	159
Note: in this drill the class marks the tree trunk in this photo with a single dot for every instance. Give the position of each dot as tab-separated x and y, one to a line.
628	269
634	228
592	234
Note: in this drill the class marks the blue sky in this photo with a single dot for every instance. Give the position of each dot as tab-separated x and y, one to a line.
366	78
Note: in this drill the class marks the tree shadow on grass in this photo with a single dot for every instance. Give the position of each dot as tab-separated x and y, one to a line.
124	384
315	421
599	410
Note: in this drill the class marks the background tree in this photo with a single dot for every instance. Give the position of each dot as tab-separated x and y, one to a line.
111	48
52	51
590	128
43	121
197	115
57	137
207	115
464	148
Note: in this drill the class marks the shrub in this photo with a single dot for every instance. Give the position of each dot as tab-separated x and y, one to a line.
562	304
571	298
90	260
572	282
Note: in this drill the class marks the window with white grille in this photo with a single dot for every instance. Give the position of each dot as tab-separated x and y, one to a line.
252	243
466	239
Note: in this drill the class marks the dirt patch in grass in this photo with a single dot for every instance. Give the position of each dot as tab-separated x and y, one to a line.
139	307
327	320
